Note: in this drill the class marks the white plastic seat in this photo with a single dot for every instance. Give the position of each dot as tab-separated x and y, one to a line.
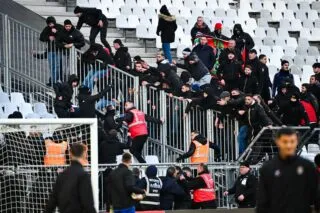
268	5
131	3
292	5
296	25
150	12
268	41
189	3
305	33
256	6
9	108
315	5
121	21
297	80
4	98
304	5
196	12
285	24
292	42
232	13
141	31
251	23
288	14
220	12
313	148
299	60
266	14
280	41
243	14
296	70
275	61
185	12
271	32
280	6
83	3
310	59
312	15
25	109
303	42
257	42
95	3
152	159
302	15
224	4
142	3
168	3
138	11
263	22
283	33
111	11
308	24
133	21
313	51
265	50
272	71
126	10
177	3
40	108
290	51
302	51
212	4
277	15
17	98
228	22
308	71
315	34
154	3
260	32
277	51
227	31
32	115
202	4
208	12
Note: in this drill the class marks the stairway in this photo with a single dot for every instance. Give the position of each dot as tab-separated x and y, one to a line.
58	10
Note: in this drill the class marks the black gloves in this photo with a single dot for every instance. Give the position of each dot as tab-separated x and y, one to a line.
107	89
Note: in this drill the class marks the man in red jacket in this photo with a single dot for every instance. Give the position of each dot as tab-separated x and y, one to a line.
137	124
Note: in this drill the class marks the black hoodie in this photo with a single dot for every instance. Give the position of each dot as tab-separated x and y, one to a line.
64	91
242	39
91	17
47	32
122	58
97	52
72	36
166	26
109	149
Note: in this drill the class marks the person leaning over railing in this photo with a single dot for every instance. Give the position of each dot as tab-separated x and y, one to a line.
204	195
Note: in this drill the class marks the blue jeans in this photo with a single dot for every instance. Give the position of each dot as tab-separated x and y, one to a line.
242	138
128	210
167	51
54	60
89	79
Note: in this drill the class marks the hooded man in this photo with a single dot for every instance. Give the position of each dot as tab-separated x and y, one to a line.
199	27
170	78
49	35
166	29
217	32
109	121
122	57
96	20
243	40
205	53
70	37
152	185
64	93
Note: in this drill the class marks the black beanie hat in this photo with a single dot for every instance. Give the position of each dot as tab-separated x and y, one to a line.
67	22
118	41
50	19
245	163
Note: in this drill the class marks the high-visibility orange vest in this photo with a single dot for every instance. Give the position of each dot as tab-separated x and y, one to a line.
205	194
55	153
201	154
138	126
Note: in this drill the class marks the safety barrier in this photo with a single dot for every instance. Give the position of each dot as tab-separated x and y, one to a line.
262	147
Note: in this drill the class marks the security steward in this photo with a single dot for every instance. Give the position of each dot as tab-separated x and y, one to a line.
204	195
245	187
199	149
137	123
55	152
152	185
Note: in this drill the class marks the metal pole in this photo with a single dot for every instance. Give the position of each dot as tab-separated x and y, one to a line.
163	133
6	44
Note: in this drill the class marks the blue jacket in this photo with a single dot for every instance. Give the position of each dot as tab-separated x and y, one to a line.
170	190
280	78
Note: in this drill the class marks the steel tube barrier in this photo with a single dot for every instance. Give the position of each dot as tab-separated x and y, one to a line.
262	147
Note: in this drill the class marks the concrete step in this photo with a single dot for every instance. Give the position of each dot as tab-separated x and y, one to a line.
67	15
38	3
60	19
43	9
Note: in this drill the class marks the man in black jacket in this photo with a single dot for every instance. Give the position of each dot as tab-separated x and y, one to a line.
122	57
205	53
72	191
287	183
248	82
223	57
110	148
244	188
64	93
49	35
96	20
264	80
109	120
70	37
199	27
243	39
122	189
87	101
170	80
196	136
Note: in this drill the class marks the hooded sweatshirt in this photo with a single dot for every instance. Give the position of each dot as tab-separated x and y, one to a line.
122	58
65	91
90	16
73	36
242	39
166	26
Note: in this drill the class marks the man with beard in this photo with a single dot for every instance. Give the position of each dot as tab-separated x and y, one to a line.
223	57
70	37
264	80
282	76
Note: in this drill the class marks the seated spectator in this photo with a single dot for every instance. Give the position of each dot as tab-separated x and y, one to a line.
217	32
171	190
166	29
199	72
203	186
205	53
199	27
230	72
121	57
248	83
294	113
69	37
152	185
223	57
264	80
282	76
94	53
245	187
170	80
110	148
243	39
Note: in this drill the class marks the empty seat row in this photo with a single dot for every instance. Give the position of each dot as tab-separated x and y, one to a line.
256	5
289	14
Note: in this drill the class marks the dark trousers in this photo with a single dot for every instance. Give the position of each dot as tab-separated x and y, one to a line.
62	112
137	146
103	35
205	205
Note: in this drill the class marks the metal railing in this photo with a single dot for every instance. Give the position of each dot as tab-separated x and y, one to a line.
262	147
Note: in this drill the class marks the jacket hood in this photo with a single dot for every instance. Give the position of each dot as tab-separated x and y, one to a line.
78	9
164	10
73	78
210	91
164	67
236	28
166	17
194	57
201	139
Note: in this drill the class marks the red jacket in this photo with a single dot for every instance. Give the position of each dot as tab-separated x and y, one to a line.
311	112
